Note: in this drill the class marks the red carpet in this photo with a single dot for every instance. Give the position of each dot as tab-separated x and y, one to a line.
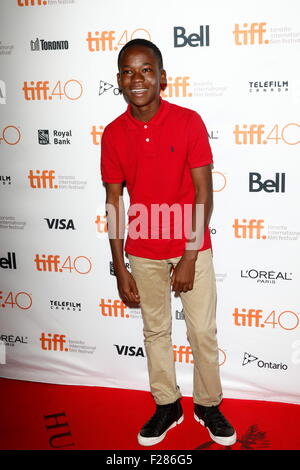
45	416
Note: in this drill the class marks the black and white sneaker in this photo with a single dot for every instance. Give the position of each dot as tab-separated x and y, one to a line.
165	418
220	430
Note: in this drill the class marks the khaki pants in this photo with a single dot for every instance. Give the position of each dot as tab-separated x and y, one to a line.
153	282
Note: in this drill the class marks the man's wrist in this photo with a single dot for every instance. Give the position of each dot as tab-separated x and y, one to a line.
190	255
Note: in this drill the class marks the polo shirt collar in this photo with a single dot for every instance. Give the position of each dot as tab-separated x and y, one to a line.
156	120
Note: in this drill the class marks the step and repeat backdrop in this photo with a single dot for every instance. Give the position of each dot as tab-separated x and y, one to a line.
235	63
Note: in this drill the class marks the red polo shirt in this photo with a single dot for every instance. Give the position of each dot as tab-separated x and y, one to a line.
154	159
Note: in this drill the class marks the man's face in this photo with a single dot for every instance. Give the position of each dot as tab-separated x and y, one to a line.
140	77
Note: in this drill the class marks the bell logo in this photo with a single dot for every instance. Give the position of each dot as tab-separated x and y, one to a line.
250	34
177	87
269	186
115	309
53	342
193	40
45	180
96	133
249	230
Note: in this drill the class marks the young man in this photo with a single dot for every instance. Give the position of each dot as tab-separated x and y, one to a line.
162	153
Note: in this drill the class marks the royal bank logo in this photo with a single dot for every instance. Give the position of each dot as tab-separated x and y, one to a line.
43	45
59	137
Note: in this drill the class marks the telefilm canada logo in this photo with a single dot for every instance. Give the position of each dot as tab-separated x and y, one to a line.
268	86
5	180
43	45
249	358
65	305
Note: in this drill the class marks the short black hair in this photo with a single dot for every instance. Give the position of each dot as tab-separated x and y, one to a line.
144	43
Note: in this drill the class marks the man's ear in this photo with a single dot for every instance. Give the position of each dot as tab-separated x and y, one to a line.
163	80
119	83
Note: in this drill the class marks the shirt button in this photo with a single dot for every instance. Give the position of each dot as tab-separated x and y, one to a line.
147	140
145	126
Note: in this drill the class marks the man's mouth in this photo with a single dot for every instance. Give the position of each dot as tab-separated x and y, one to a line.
139	90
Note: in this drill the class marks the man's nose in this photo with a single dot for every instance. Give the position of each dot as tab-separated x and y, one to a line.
137	77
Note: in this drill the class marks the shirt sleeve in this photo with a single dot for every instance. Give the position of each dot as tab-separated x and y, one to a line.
199	151
111	170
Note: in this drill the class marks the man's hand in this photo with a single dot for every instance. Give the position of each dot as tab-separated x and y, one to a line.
127	287
182	279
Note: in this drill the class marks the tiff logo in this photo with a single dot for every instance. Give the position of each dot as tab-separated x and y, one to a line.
45	180
36	91
177	88
251	135
115	309
183	354
249	35
101	223
250	230
96	133
252	318
101	42
47	263
54	342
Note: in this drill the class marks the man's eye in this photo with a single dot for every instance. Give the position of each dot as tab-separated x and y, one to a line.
126	71
147	69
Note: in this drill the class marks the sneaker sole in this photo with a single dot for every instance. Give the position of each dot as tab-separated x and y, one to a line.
223	441
151	441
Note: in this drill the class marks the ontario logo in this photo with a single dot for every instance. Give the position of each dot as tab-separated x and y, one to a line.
249	358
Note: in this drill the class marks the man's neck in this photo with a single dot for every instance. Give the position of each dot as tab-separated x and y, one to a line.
145	113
